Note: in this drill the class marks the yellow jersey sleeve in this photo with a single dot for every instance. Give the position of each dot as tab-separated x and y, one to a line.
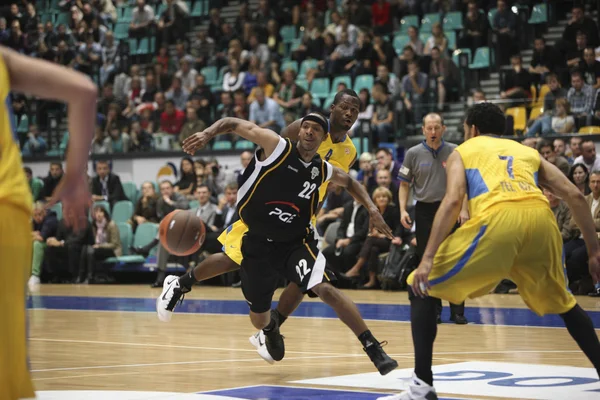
341	155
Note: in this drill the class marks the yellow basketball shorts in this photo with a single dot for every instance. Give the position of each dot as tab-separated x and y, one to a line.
231	239
521	243
15	266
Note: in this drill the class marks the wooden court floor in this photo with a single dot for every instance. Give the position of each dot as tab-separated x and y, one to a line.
108	338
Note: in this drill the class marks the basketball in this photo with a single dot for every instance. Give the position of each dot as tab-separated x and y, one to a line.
182	232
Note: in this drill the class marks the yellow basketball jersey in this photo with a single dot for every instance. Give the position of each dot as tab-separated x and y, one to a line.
341	155
13	183
499	171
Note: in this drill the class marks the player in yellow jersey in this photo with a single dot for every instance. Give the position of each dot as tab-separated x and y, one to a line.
23	74
512	234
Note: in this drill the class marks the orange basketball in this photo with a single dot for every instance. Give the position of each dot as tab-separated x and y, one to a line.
182	232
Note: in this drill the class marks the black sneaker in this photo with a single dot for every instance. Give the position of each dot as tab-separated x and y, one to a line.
459	319
595	293
274	343
384	363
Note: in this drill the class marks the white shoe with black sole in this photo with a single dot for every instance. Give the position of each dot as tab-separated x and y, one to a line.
258	340
172	294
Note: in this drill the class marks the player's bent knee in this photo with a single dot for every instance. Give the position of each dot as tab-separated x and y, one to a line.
260	320
326	292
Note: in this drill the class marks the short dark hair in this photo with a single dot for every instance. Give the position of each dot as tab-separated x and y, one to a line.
346	92
381	86
586	140
544	143
385	149
57	163
165	181
28	170
487	117
202	186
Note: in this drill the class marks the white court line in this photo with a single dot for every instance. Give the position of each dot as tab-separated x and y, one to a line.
173	346
471	324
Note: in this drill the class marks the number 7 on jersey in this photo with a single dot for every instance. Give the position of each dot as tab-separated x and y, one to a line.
509	165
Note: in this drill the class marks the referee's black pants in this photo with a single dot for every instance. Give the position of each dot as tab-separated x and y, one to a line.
424	215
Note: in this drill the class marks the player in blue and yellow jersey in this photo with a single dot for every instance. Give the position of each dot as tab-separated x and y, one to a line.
512	234
39	78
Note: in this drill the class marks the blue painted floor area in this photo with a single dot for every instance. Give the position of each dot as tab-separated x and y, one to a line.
293	393
383	312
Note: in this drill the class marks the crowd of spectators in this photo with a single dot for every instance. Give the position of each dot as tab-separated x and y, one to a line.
247	68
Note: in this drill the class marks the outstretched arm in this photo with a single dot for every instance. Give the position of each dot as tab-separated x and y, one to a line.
553	179
265	138
358	191
445	219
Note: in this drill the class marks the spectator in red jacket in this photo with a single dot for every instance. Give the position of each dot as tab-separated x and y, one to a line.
380	10
172	119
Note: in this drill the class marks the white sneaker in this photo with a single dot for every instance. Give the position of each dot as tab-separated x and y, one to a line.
417	390
34	283
258	340
171	294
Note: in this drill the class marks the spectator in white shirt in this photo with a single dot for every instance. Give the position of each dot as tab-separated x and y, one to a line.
234	79
187	75
588	155
142	17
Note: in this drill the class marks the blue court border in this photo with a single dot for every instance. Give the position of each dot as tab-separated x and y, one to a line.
380	312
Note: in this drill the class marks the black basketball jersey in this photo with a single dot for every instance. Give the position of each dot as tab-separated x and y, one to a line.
280	194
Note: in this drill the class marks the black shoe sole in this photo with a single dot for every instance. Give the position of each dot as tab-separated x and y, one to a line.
275	355
387	367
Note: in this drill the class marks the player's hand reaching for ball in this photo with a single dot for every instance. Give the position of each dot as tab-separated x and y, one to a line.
376	221
74	193
195	142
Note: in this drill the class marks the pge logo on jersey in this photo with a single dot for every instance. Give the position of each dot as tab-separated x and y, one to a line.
285	211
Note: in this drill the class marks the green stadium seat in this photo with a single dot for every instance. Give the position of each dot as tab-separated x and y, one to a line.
122	211
456	54
210	75
53	6
144	47
407	22
133	46
64	142
294	45
102	203
144	234
288	33
222	72
23	126
161	8
222	145
126	236
305	66
491	15
121	31
340	79
428	21
451	35
58	209
424	36
131	191
289	65
539	14
320	88
62	19
453	21
36	187
400	41
481	59
244	145
127	14
365	144
196	10
303	83
53	153
46	17
328	102
194	204
364	81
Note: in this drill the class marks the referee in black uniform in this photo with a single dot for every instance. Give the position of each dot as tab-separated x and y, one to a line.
425	168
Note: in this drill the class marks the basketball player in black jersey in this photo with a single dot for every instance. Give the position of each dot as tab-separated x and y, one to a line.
276	202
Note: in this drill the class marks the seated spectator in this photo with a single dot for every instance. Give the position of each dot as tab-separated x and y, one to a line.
63	251
187	74
178	94
119	140
101	144
106	244
475	31
580	281
89	56
581	99
350	30
106	186
187	180
225	109
142	19
546	150
365	111
445	72
414	85
17	40
516	88
588	155
145	209
171	25
263	84
382	18
260	50
170	200
415	41
363	56
546	59
203	49
341	57
560	148
289	95
580	23
44	224
265	112
390	81
140	139
590	68
234	79
556	92
333	207
579	176
35	144
383	179
377	242
192	125
560	123
207	211
383	114
52	180
148	93
437	39
110	57
563	215
350	237
575	56
65	56
169	64
307	106
172	119
366	172
504	24
385	160
227	207
241	109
